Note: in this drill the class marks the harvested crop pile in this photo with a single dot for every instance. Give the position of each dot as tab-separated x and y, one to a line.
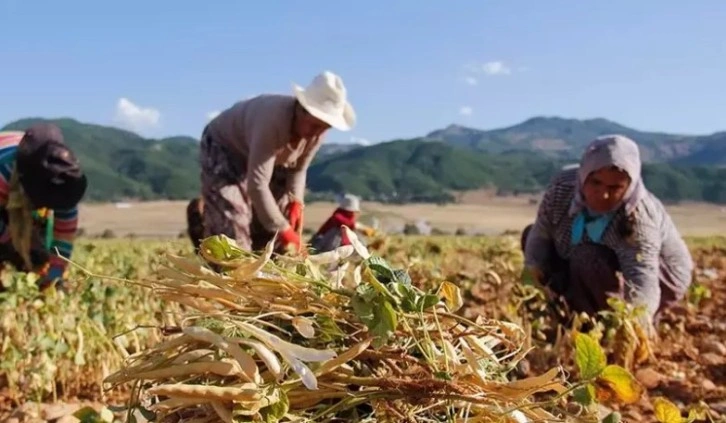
319	339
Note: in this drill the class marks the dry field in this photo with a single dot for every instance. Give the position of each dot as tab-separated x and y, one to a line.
493	216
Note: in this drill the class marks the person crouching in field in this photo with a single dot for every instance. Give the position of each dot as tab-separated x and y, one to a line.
599	233
41	184
330	235
254	159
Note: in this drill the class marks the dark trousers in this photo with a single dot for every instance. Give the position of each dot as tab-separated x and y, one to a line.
587	279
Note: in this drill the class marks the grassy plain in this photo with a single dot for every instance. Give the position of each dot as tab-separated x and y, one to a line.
480	215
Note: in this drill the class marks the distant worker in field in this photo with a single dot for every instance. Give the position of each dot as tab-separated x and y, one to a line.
599	233
330	235
41	184
254	159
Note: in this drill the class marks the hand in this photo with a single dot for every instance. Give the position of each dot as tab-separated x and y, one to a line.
50	275
294	215
288	238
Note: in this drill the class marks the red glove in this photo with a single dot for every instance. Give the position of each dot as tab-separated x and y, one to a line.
294	214
290	237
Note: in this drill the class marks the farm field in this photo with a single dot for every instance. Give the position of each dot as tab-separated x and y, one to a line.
478	214
59	349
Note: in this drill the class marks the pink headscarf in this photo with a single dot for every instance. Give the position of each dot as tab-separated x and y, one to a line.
611	150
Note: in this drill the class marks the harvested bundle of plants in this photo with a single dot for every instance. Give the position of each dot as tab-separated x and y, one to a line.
339	336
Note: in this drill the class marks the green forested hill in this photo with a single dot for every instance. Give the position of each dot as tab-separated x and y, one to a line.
522	158
414	170
121	164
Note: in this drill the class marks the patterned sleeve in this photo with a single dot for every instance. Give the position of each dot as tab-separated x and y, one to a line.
64	233
4	193
540	244
639	262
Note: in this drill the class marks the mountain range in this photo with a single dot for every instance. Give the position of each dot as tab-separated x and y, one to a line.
516	159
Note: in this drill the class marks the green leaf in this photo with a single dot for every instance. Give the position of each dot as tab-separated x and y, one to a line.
665	411
584	395
528	278
380	268
409	306
88	415
443	376
363	309
589	356
276	411
427	301
617	384
385	320
329	330
402	276
613	417
369	277
46	343
398	289
406	295
61	348
221	248
617	305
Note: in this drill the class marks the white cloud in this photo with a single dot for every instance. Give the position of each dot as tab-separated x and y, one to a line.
492	68
466	111
361	141
496	68
135	117
213	114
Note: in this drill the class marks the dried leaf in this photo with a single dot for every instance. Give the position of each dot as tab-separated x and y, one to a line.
304	326
665	411
451	294
617	384
355	242
519	389
247	270
345	357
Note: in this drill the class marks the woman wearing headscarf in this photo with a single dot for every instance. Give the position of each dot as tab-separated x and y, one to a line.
41	184
255	156
599	233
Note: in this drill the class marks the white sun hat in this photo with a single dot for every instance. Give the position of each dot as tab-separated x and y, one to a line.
327	99
350	202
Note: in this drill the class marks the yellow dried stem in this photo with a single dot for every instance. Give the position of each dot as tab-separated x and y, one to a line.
248	392
249	367
173	404
220	368
345	357
209	292
224	413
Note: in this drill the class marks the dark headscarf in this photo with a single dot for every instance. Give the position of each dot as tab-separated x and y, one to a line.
49	172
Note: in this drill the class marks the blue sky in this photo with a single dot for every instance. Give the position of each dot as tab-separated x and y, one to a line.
160	67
